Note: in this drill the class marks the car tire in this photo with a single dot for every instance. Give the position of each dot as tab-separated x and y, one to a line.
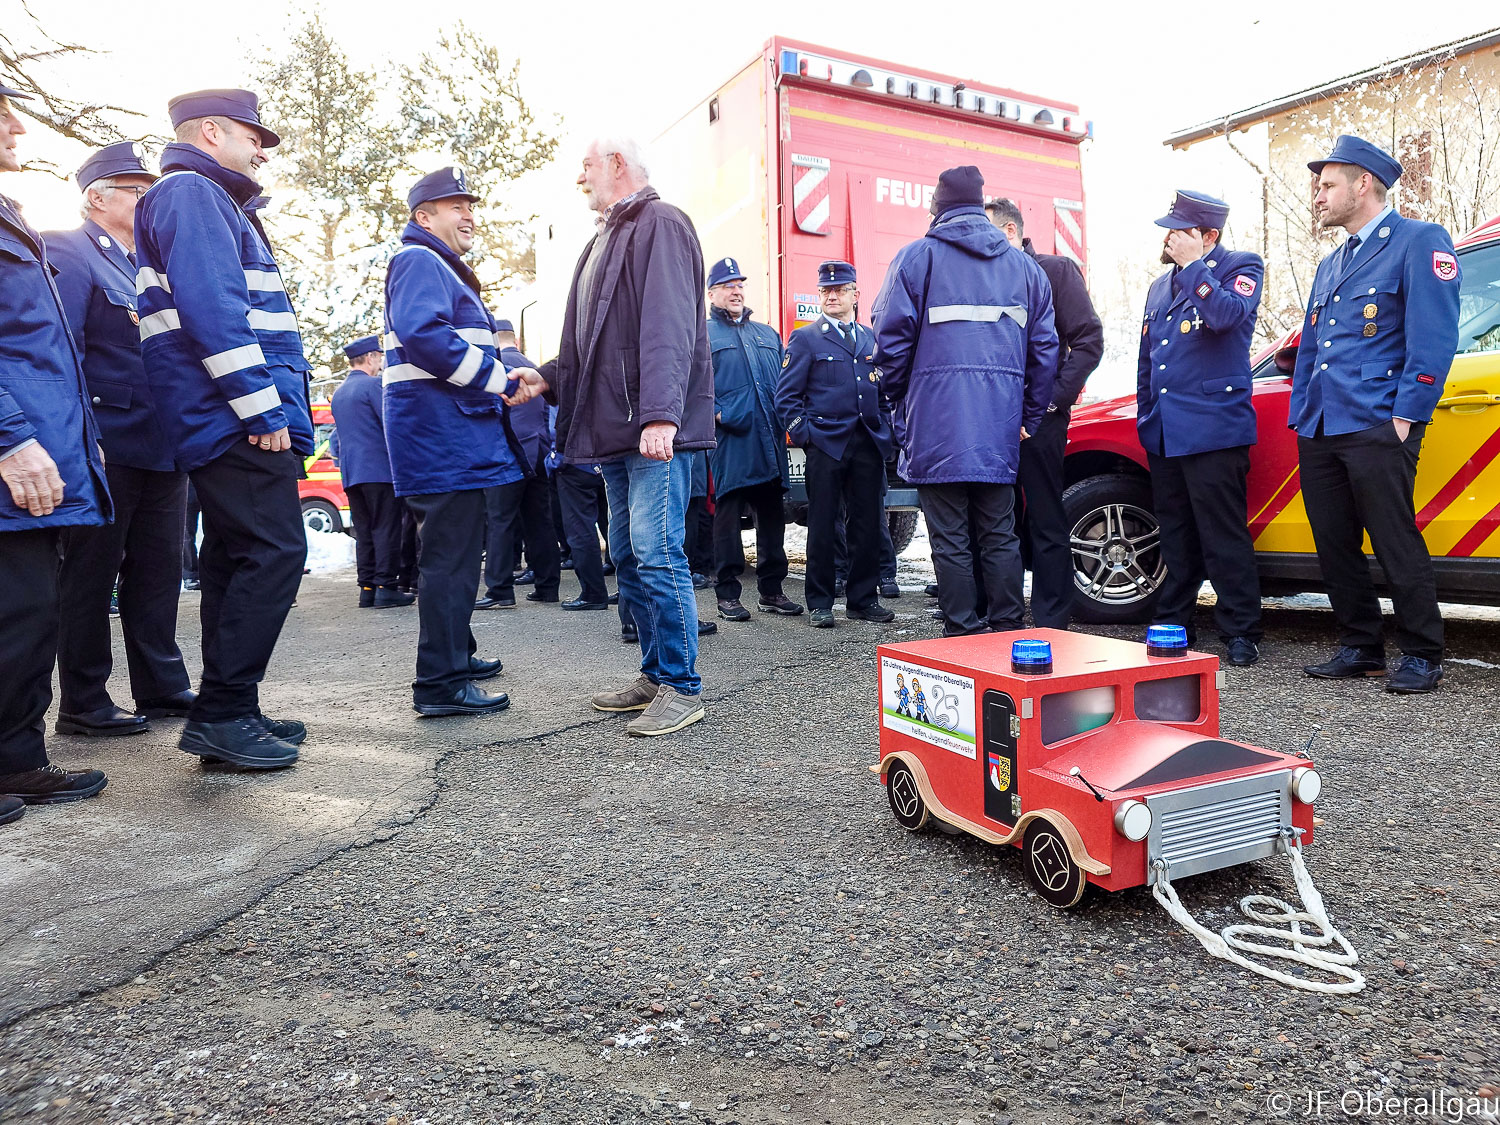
905	797
1117	562
1050	868
321	516
903	525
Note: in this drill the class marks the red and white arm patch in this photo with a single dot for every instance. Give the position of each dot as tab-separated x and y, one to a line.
1244	285
1204	289
1444	265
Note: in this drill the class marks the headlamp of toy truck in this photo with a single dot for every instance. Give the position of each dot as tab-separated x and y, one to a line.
1306	784
1133	820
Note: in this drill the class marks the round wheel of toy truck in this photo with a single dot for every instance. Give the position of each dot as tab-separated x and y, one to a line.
906	801
1050	868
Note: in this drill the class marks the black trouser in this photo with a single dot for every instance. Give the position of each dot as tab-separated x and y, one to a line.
1039	476
251	563
1353	483
887	545
451	525
29	569
411	550
956	544
377	515
558	529
190	535
144	548
770	539
1200	505
580	494
698	536
854	484
520	508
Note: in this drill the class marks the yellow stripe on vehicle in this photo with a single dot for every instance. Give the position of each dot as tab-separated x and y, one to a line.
932	138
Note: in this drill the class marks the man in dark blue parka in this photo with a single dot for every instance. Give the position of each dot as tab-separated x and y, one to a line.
749	463
967	353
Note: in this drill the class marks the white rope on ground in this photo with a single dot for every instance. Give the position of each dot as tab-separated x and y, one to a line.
1305	948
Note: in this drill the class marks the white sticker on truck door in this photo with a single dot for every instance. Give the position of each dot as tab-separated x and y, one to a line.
926	703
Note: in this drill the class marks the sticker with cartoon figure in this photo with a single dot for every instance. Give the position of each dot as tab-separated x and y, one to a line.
926	703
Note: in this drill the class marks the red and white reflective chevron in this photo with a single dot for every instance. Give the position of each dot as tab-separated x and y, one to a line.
1067	230
810	193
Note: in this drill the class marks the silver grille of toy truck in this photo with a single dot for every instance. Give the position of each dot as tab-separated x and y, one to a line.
1219	825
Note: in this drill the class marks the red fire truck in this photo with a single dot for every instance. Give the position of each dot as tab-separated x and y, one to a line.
808	153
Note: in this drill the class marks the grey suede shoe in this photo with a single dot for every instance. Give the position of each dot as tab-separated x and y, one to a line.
636	697
670	711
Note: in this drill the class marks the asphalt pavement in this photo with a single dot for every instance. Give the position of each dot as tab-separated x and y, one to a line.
531	917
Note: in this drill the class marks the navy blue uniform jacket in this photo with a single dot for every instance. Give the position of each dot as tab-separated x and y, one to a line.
1378	338
43	397
530	421
751	442
358	444
96	279
1192	391
830	387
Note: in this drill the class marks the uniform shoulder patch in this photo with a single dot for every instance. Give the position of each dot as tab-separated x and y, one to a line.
1428	379
1244	285
785	360
1445	265
1204	289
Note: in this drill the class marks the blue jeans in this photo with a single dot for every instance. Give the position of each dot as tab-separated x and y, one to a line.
647	509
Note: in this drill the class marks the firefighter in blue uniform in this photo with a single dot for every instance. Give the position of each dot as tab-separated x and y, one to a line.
365	468
221	346
448	433
53	479
829	401
143	547
1196	421
749	464
1379	336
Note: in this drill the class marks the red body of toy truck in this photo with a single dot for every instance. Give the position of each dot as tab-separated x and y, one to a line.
1105	770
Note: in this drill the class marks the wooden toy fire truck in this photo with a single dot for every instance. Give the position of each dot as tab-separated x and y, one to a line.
1100	758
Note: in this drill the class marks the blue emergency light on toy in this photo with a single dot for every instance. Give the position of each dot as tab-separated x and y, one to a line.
1031	657
1166	640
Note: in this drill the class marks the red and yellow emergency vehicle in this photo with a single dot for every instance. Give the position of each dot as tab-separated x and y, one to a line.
1117	559
325	507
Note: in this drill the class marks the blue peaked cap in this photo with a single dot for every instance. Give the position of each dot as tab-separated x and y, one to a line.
445	183
835	273
1194	209
363	346
237	105
127	158
725	269
1349	149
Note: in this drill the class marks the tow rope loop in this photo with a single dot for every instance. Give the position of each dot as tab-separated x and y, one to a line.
1305	947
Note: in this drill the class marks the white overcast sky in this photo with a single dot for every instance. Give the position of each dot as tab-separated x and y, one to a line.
1138	70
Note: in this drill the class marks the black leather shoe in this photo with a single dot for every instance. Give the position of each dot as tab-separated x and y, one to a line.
244	742
566	563
163	706
731	610
482	669
489	601
822	619
367	597
288	730
191	584
613	599
1349	663
890	589
1243	652
705	627
930	589
630	635
53	785
388	597
875	612
523	577
538	596
579	603
780	604
107	722
935	613
702	582
1414	676
609	568
11	808
472	700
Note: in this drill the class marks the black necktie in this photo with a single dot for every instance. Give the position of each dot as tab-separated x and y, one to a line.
1351	244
